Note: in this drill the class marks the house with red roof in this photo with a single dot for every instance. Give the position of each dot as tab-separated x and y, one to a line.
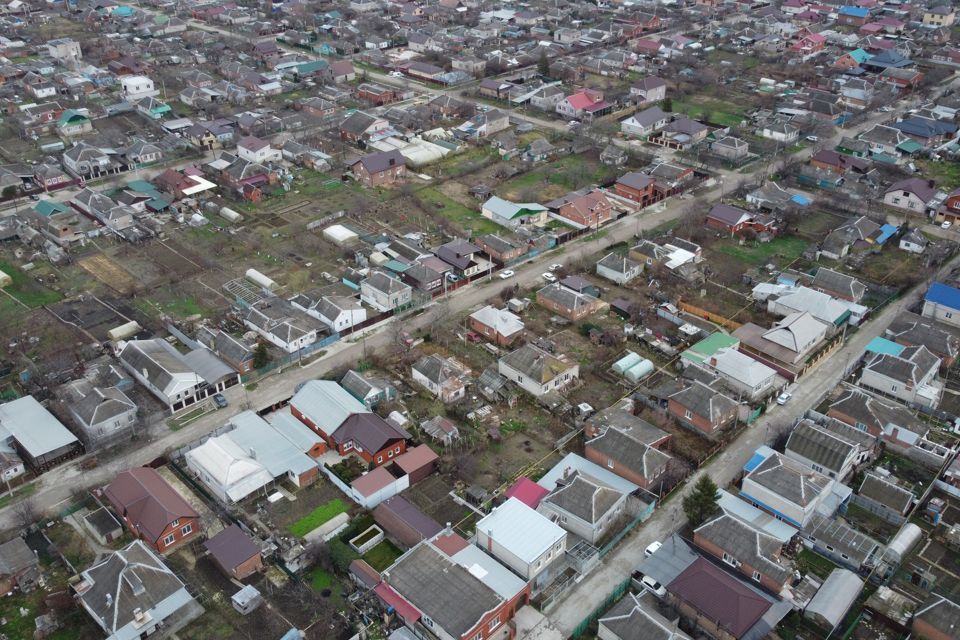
591	209
809	44
152	510
584	105
527	491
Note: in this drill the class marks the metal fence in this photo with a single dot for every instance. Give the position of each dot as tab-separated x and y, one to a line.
609	601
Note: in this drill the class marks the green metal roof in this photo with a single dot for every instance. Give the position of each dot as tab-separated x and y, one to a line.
910	146
709	346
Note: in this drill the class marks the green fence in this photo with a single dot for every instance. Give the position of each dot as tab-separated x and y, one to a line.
608	602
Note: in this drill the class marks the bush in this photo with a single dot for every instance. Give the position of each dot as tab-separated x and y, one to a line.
341	555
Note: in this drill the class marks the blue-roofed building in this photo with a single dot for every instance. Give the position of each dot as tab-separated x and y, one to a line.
856	16
886	231
942	303
801	200
882	345
761	454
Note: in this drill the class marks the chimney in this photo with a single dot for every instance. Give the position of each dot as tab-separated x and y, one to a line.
109	601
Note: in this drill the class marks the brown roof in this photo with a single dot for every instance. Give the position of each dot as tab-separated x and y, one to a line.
147	501
416	458
231	547
719	597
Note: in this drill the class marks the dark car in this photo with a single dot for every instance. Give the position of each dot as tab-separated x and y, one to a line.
220	401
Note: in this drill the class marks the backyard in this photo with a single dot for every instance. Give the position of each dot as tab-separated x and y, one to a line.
783	250
25	289
319	516
714	110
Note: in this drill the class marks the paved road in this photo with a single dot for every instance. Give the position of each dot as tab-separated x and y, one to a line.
591	592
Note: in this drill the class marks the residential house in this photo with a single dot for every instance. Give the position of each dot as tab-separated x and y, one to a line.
882	494
281	324
914	241
443	377
631	454
524	540
785	488
860	234
584	105
942	303
337	313
731	148
648	90
538	372
911	330
511	215
500	326
839	285
584	505
782	132
254	149
346	424
570	304
131	594
912	194
735	220
882	419
884	140
485	124
464	257
618	269
591	209
635	186
785	347
749	551
19	566
833	448
235	353
450	589
28	431
909	376
152	510
501	250
938	618
103	412
385	293
136	87
748	378
643	123
369	390
682	133
234	553
74	122
383	168
360	126
702	407
547	98
638	617
178	380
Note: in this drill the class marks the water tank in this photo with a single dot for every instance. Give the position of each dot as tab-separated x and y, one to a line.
258	278
639	371
230	214
627	361
124	331
902	543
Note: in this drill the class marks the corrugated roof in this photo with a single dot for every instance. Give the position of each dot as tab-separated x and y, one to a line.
33	427
520	530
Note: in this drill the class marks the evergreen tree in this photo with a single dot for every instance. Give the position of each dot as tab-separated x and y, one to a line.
260	355
701	504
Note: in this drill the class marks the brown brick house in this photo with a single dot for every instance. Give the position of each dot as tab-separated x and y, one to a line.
234	552
500	326
384	168
152	510
569	304
628	457
635	186
702	407
591	209
753	553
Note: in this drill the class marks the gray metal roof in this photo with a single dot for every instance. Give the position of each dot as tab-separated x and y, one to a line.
265	445
584	497
33	427
789	480
669	561
635	617
631	453
835	596
747	545
814	443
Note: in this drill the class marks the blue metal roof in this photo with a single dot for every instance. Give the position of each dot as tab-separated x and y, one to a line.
884	346
800	200
944	294
859	12
886	231
761	454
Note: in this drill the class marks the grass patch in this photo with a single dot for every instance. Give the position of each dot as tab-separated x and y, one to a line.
319	579
434	201
513	426
946	173
26	289
758	253
713	110
322	514
181	421
383	555
19	492
808	561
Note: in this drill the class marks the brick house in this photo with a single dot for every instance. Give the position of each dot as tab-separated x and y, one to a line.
735	220
629	457
748	551
702	407
345	424
569	304
235	553
635	186
501	250
376	94
500	326
152	510
591	209
384	168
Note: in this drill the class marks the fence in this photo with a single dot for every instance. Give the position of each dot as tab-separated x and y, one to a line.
609	601
877	509
644	513
709	315
290	358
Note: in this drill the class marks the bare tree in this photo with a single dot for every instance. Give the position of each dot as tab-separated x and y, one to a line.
26	511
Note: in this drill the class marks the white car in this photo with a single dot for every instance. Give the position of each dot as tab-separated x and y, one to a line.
945	224
556	266
784	397
652	548
549	277
396	74
653	587
812	138
506	274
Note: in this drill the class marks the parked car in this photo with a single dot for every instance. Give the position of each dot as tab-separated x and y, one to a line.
396	74
652	548
220	401
549	277
945	224
641	581
452	277
473	336
784	397
556	266
506	274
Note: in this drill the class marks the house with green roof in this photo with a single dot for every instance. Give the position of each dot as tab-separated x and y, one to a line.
49	207
73	122
709	346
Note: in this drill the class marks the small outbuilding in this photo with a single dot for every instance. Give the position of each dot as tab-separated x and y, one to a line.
834	599
235	553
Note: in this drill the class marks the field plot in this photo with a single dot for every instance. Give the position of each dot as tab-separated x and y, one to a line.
110	273
25	289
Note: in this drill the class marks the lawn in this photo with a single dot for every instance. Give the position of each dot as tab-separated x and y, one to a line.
383	555
808	561
436	202
946	173
317	517
21	491
759	253
713	110
26	290
319	579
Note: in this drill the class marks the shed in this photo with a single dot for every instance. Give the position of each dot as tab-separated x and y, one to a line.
234	552
902	543
831	603
404	522
418	463
247	599
104	527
